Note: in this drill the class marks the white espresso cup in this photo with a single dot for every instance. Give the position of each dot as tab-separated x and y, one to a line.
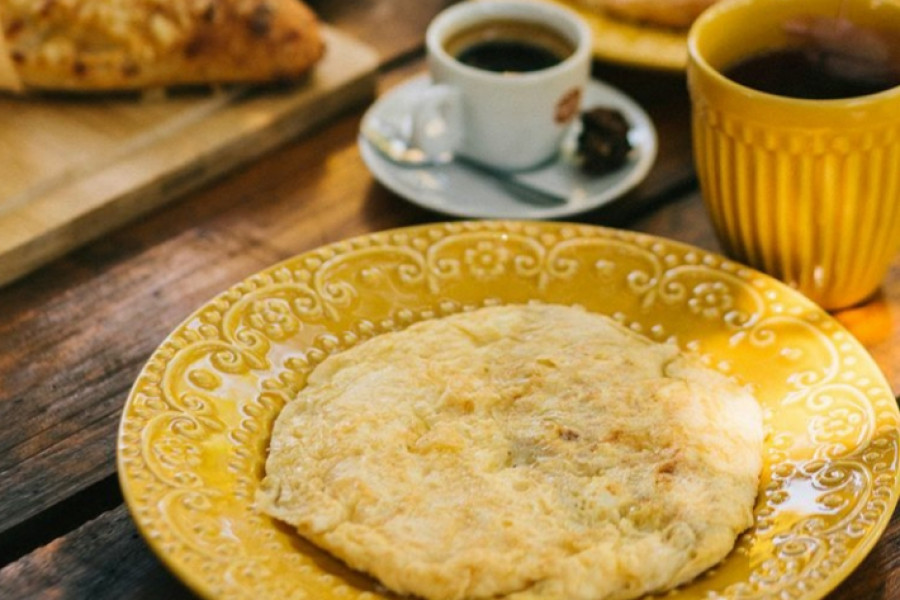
508	78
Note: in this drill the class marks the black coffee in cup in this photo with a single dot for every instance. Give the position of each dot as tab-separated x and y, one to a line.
505	46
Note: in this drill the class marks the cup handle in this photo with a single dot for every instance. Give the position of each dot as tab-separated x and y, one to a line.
436	122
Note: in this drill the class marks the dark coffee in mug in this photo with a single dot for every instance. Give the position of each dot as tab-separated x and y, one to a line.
799	72
509	46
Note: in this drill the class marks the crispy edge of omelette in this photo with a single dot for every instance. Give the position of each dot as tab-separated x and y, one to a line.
442	584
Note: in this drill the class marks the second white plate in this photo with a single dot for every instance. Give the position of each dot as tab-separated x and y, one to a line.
459	190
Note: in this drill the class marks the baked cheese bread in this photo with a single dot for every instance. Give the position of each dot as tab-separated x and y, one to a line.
523	452
100	45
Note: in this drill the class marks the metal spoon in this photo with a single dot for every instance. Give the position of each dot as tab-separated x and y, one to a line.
396	147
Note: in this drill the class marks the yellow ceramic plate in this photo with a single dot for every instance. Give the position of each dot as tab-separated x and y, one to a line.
632	43
194	431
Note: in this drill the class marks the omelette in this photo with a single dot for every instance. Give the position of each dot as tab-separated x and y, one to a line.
530	451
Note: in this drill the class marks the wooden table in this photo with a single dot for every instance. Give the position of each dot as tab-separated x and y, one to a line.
74	334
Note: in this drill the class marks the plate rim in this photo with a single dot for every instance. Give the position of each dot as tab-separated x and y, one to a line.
200	587
380	167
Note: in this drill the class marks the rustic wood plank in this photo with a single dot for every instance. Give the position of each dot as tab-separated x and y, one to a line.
107	559
77	333
60	519
53	203
877	578
66	365
393	28
113	159
104	559
74	334
684	219
664	96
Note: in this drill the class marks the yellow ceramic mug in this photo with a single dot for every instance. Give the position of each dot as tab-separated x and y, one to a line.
806	190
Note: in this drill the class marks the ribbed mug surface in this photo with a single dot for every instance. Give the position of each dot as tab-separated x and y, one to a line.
806	190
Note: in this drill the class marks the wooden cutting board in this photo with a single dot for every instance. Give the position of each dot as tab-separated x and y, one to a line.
75	168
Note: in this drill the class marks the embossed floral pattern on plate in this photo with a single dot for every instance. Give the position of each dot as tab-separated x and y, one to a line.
194	431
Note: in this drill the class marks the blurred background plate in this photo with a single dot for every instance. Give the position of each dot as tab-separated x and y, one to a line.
633	44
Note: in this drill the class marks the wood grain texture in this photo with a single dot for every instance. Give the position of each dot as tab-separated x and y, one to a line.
79	168
103	559
75	333
88	322
76	347
66	361
106	559
394	28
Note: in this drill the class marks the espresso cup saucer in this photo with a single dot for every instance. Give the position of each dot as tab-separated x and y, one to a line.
457	189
